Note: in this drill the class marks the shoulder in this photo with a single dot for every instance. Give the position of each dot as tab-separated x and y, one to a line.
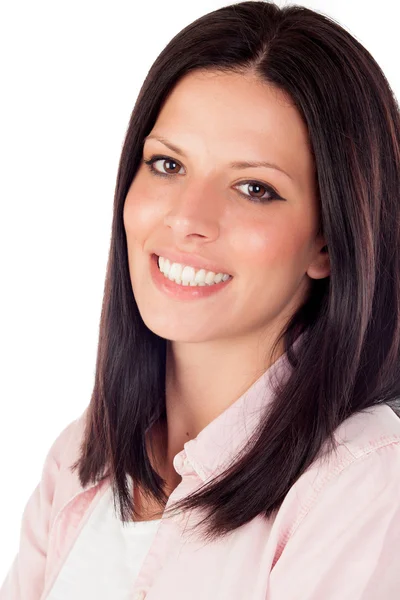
368	430
340	521
63	453
65	447
367	441
365	466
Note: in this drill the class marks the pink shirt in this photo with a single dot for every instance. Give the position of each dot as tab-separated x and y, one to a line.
336	535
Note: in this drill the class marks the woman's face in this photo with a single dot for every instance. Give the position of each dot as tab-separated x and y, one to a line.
226	215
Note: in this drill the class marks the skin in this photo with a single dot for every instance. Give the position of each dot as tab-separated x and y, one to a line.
219	346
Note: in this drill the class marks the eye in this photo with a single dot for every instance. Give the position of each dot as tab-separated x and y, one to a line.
265	196
157	158
272	195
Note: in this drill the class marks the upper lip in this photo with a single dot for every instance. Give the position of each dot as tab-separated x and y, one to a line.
191	260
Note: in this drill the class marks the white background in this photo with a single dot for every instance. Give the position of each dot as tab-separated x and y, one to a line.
70	75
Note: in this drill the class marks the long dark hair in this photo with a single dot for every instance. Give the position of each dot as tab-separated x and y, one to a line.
350	360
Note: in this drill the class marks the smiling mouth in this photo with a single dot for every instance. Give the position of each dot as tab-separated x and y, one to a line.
187	275
190	260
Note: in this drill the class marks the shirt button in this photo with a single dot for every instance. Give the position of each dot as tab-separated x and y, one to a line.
140	595
179	461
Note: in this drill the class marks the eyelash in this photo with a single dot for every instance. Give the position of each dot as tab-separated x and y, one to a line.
273	194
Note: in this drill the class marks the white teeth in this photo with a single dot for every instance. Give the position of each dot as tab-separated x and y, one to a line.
200	277
186	275
210	277
175	272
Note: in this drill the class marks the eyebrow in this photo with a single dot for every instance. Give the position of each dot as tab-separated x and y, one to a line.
232	165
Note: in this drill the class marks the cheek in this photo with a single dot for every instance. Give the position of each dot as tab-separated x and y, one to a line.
140	212
271	245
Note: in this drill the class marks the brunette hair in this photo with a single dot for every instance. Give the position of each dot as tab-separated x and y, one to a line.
350	360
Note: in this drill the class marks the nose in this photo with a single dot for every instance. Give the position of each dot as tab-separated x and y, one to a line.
196	212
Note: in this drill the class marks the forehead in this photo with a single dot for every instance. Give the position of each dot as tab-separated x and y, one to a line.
236	116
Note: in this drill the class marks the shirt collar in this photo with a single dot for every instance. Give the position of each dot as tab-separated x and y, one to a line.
219	442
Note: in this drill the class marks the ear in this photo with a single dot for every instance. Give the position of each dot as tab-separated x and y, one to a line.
320	266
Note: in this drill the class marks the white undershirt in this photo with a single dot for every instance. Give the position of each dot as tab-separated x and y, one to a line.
106	558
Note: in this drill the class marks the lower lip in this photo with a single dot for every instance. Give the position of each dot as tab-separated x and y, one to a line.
182	292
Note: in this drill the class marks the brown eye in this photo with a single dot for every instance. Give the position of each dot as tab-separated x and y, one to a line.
261	191
258	189
165	160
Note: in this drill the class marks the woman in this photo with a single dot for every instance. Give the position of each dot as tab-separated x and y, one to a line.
249	353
